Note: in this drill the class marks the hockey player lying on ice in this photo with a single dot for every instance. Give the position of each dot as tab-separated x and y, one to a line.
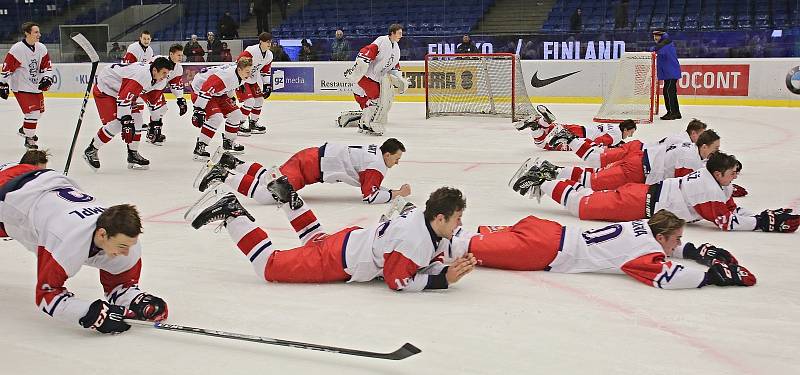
66	228
553	136
408	251
702	194
356	165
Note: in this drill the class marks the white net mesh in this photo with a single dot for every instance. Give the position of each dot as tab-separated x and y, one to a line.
476	85
632	96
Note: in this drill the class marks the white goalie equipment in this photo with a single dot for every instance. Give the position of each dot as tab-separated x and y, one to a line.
372	120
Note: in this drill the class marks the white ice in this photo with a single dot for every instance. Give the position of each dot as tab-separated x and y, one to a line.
491	322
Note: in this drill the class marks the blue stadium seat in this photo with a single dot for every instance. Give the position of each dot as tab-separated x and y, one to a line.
743	21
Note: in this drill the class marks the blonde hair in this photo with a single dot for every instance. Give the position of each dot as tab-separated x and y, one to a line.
665	223
244	62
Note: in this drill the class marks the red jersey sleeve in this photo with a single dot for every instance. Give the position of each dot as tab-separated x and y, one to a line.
128	92
129	58
10	64
369	52
45	64
371	189
724	215
653	269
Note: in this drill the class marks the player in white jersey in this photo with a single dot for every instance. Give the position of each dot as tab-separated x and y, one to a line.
65	228
27	72
258	87
140	51
636	248
704	194
376	62
362	166
212	95
566	137
115	92
408	251
157	103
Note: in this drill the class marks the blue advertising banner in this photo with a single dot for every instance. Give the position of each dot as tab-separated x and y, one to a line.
293	79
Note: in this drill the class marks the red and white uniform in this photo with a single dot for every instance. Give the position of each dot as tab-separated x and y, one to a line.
629	248
121	84
667	161
138	53
23	69
404	251
262	65
611	155
356	165
214	84
383	56
155	97
47	213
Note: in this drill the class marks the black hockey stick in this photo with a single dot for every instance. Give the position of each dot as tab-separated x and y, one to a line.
403	352
87	47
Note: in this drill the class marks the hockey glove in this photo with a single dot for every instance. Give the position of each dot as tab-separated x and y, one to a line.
706	254
721	274
739	191
128	130
105	318
266	90
4	90
45	83
182	107
148	307
780	220
198	117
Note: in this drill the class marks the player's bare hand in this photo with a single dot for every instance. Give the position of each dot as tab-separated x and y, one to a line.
460	267
404	191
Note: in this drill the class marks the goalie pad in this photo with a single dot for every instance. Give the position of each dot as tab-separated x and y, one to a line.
357	71
368	123
348	118
398	80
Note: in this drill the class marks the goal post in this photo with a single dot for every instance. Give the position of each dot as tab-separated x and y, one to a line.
475	84
634	91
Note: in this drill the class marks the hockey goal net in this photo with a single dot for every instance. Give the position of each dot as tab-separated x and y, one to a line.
634	92
475	84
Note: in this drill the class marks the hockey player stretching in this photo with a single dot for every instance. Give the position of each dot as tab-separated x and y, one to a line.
158	104
363	166
27	72
65	228
408	251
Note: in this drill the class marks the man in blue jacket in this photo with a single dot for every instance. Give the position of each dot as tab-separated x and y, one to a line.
669	71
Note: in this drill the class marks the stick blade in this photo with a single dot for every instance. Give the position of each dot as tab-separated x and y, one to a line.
87	46
405	351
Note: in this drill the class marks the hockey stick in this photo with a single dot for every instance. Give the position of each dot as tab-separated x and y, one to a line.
87	47
403	352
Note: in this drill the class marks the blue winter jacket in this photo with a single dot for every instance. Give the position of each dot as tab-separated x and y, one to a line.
667	63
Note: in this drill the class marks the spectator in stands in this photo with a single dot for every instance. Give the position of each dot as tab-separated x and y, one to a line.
226	53
306	52
466	45
194	51
576	22
669	71
340	48
228	28
214	48
278	54
262	9
116	52
621	15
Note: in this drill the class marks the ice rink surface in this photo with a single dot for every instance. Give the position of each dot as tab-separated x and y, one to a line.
493	321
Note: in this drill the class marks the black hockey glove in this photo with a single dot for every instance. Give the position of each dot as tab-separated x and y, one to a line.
45	83
128	130
4	91
182	106
198	117
707	253
721	274
266	90
148	307
105	318
780	220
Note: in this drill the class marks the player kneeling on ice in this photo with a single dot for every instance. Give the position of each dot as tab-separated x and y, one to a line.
375	75
408	251
554	136
636	248
356	165
66	228
702	194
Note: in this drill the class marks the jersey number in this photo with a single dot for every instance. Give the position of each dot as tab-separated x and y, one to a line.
602	235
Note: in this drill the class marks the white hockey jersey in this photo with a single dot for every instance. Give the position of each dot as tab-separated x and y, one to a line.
174	80
682	137
605	134
138	53
668	161
356	165
383	56
24	67
404	250
262	64
699	196
48	214
213	81
126	82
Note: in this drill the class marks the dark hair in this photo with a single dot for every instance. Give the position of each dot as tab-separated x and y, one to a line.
391	146
144	32
695	126
665	223
161	63
707	137
27	27
123	218
445	201
175	48
34	157
244	62
627	125
721	162
394	27
265	36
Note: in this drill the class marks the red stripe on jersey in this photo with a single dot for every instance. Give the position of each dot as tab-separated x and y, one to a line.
398	271
251	239
680	172
129	58
213	85
267	69
50	277
10	64
305	219
254	169
45	64
369	51
127	278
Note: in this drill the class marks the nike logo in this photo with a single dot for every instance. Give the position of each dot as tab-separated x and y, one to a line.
536	82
